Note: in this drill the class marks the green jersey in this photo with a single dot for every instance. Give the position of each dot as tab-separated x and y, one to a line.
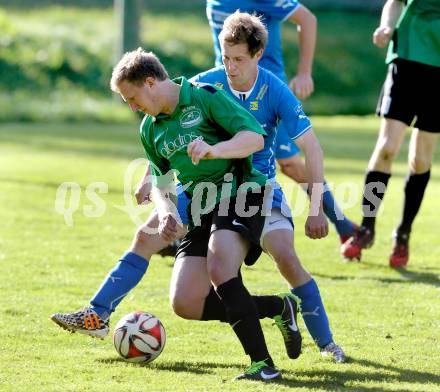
202	112
417	34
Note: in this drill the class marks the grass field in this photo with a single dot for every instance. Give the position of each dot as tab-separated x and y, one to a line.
386	320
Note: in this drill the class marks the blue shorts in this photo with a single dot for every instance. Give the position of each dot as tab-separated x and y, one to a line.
182	204
285	147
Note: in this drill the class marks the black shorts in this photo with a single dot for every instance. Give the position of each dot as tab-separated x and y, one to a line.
408	92
195	242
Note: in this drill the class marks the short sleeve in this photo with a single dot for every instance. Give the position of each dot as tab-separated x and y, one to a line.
289	110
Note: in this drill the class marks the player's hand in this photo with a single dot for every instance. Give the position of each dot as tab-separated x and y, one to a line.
198	150
382	36
143	193
302	85
168	228
317	226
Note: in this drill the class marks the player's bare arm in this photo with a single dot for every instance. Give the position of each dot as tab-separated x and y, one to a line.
302	83
316	224
390	15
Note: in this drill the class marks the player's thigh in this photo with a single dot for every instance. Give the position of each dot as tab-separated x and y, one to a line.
421	150
189	285
277	236
226	251
279	244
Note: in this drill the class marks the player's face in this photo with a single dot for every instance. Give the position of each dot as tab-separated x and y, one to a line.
140	97
240	66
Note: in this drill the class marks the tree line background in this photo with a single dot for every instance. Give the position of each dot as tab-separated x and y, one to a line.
56	57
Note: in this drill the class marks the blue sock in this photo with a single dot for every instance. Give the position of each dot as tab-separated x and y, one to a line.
342	224
313	313
121	279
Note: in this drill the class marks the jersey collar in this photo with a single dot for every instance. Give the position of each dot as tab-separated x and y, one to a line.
243	95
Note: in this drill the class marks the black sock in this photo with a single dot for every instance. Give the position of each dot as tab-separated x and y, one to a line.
267	306
214	309
415	186
374	189
243	317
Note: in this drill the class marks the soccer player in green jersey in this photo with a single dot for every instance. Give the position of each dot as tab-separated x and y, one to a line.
183	126
207	140
412	29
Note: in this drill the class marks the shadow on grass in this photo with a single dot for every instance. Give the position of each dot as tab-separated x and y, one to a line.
340	378
427	278
180	366
371	371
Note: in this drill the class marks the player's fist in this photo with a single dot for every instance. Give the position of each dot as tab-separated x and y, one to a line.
382	36
168	228
302	85
316	226
198	150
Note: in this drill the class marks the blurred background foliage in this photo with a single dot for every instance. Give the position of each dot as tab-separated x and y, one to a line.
56	57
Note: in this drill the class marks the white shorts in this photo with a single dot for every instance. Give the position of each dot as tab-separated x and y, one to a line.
276	221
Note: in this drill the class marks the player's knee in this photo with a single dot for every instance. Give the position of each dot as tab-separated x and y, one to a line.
215	272
142	244
419	164
184	307
387	152
142	239
287	260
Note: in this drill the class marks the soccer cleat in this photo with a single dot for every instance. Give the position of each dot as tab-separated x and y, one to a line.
352	249
171	249
260	371
286	323
85	321
333	350
400	255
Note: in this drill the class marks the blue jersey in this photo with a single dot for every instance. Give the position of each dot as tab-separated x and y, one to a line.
273	13
270	101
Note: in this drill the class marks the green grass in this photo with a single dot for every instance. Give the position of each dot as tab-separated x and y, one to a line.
386	320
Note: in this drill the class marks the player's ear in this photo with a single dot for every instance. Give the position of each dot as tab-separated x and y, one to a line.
150	81
259	54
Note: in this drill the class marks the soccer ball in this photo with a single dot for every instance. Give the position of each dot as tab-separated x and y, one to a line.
139	337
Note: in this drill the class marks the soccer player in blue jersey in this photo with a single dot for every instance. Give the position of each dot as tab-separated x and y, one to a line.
273	14
270	101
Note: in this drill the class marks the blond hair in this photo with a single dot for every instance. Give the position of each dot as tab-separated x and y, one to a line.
135	67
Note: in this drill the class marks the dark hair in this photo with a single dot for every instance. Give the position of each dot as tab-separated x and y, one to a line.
243	28
135	66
